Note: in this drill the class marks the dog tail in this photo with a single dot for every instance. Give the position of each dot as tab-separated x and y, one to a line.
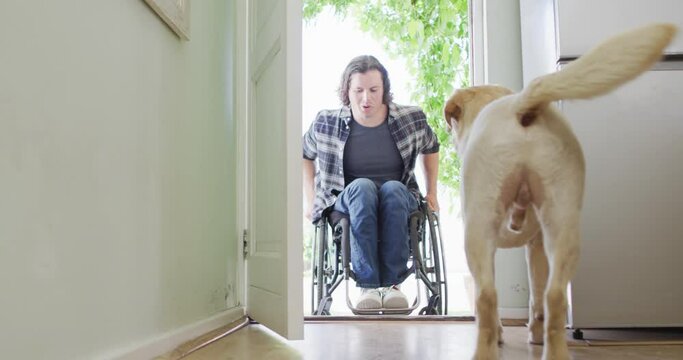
600	70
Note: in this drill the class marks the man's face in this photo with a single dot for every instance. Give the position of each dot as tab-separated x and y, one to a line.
365	95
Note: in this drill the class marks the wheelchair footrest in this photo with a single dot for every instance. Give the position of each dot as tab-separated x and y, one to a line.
382	311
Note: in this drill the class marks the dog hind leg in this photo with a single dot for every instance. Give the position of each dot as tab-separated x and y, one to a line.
561	240
480	249
537	263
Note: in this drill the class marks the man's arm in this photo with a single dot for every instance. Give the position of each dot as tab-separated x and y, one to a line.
430	165
309	187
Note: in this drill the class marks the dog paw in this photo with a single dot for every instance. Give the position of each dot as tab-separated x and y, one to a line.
536	329
535	339
556	353
485	355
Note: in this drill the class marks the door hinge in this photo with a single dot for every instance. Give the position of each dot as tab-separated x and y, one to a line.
245	244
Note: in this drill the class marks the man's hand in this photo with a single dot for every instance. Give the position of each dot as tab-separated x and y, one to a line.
432	201
430	163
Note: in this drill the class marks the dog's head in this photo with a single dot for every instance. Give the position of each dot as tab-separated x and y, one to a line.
463	107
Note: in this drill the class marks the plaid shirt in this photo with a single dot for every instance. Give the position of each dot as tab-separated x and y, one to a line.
325	139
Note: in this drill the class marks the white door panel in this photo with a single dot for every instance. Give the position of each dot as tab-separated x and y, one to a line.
275	261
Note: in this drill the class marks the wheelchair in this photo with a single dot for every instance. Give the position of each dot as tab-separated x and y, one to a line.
331	264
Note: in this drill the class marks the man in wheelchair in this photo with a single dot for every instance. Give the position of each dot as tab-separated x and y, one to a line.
359	161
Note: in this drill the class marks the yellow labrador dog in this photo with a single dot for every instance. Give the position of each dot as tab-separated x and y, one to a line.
523	177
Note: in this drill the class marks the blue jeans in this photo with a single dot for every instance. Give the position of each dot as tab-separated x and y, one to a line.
380	244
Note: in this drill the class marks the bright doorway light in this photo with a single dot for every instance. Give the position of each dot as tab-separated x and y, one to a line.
329	44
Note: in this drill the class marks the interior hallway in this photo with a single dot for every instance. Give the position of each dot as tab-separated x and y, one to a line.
421	339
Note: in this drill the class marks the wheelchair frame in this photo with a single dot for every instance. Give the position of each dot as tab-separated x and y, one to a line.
331	263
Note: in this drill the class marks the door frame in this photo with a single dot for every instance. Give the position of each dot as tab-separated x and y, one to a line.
240	90
478	72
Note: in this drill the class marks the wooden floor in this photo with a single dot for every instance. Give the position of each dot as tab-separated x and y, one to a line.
419	340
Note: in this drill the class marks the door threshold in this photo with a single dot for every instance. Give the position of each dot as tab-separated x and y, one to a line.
414	318
325	318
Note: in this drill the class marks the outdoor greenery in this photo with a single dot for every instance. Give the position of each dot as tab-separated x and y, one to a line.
432	36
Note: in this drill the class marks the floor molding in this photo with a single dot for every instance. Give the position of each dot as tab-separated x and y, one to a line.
166	343
209	338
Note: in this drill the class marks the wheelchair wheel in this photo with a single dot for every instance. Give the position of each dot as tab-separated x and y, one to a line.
432	264
325	268
432	307
318	264
440	300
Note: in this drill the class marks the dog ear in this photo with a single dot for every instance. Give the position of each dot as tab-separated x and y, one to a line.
452	112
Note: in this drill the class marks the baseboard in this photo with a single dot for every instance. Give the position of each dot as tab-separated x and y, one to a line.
513	313
166	342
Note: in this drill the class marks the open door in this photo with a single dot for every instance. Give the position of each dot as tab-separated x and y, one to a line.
274	191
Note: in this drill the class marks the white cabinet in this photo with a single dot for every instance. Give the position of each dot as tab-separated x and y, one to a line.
630	272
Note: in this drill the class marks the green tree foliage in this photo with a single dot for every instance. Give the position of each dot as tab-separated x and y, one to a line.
432	36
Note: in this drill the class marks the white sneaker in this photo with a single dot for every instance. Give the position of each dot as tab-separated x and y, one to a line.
369	299
394	299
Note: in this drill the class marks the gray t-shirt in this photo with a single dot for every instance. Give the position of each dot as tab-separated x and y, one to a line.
370	152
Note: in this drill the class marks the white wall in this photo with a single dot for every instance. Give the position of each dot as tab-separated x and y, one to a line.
498	60
117	215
